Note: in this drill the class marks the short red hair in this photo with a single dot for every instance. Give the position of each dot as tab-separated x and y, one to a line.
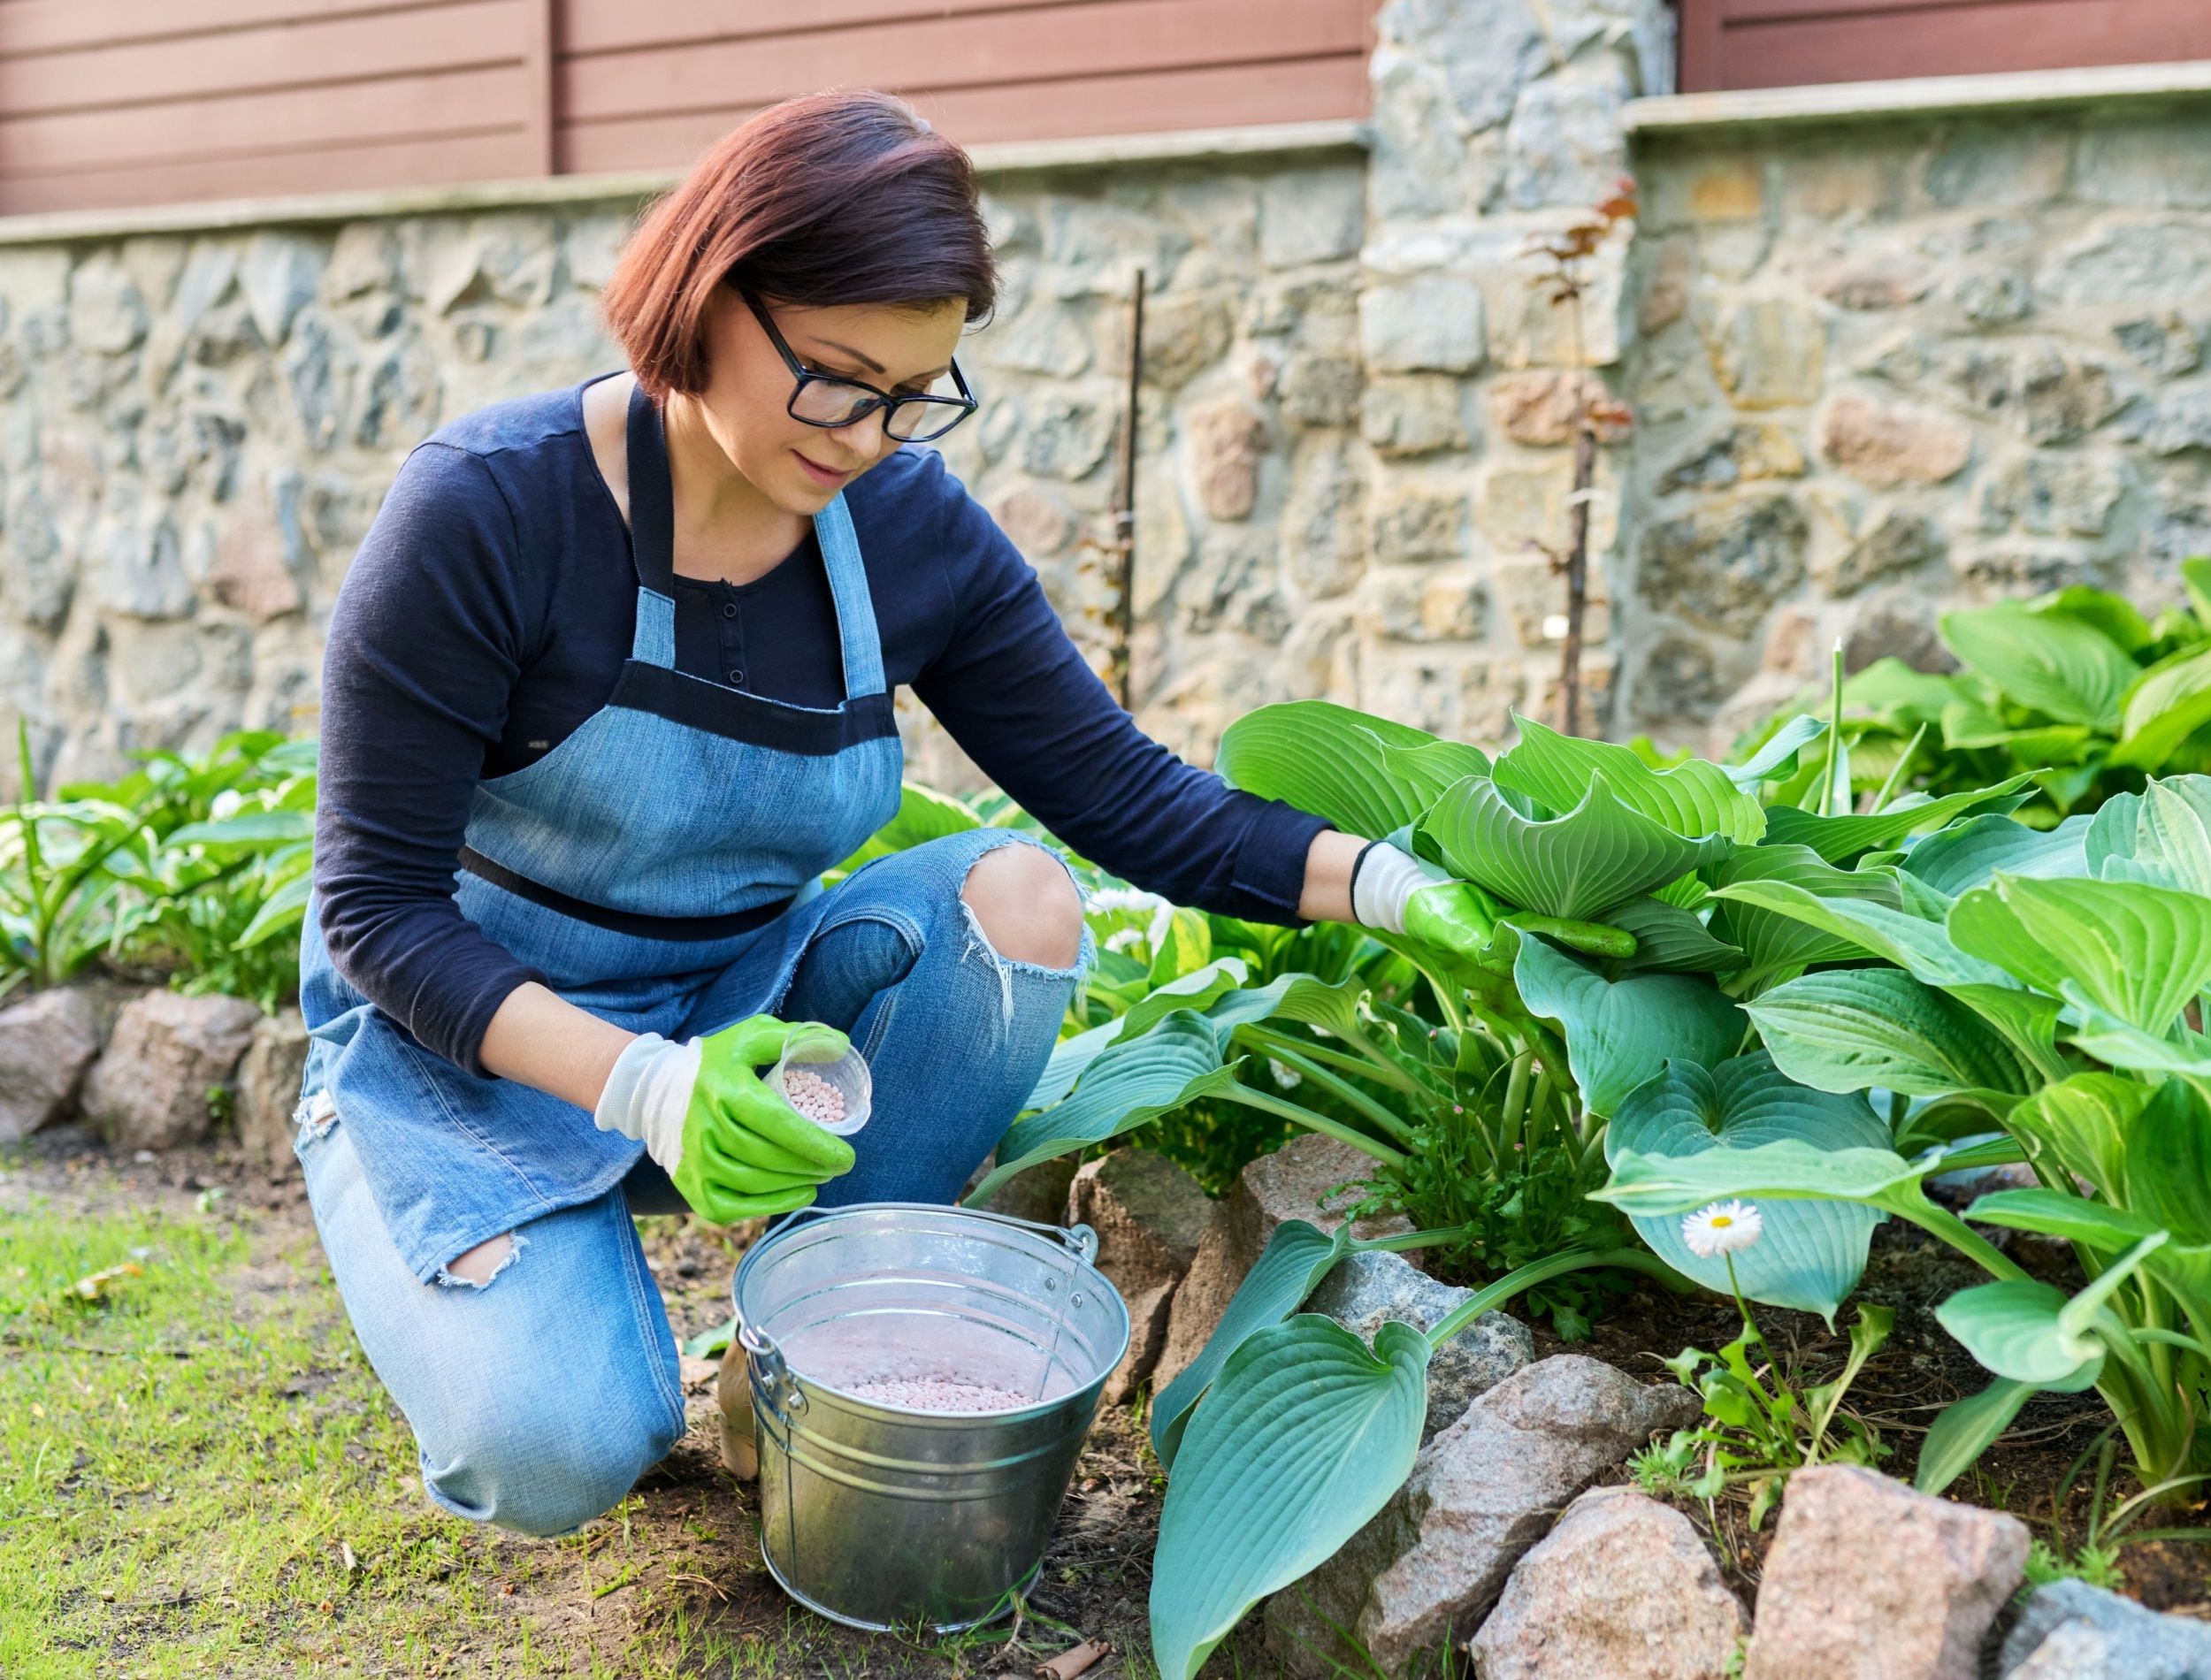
833	198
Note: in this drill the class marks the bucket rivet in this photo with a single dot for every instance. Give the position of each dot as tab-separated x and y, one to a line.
1051	1286
1076	1300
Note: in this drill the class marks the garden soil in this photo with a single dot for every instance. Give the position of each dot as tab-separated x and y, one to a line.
1096	1575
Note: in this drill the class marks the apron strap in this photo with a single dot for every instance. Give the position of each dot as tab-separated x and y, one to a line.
653	552
652	534
856	607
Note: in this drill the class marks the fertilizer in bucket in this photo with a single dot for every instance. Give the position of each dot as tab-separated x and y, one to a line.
922	1378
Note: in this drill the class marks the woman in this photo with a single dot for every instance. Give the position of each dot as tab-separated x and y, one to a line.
607	689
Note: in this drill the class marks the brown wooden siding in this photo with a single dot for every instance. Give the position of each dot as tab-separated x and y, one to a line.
127	102
1784	43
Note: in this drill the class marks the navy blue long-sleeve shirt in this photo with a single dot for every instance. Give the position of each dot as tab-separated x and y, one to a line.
489	612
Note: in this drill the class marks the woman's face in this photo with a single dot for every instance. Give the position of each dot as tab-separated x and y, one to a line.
797	467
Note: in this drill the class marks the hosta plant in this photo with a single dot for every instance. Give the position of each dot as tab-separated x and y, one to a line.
2078	688
1611	952
2026	996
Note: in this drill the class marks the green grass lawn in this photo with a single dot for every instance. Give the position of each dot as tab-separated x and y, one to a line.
200	1475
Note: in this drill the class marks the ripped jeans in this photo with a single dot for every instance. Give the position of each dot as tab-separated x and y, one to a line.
538	1397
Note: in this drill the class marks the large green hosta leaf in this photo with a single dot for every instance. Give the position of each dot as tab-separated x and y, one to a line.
1855	1029
1305	1435
2138	951
1297	1256
1595	856
2168	1162
1130	1085
1670	940
1840	838
2029	1333
1866	925
1693	798
2082	1122
2170	703
1328	760
1071	1057
1812	1252
1620	1032
1966	854
2056	665
1777	757
1775	944
2160	836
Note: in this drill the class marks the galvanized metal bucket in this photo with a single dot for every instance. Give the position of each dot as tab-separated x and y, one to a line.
881	1517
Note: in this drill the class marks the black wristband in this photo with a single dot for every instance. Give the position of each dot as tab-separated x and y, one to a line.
1351	888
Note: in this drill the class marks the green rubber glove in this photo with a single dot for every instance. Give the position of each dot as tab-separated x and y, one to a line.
731	1147
1395	892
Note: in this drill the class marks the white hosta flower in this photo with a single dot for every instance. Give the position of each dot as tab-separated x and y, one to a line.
1726	1227
1127	939
1134	898
1288	1078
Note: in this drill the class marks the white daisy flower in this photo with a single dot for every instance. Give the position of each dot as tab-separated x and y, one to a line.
1726	1227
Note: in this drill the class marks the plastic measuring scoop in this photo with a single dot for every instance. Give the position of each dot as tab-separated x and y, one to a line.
823	1054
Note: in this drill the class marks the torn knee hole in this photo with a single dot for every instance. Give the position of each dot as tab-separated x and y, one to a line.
1023	906
483	1263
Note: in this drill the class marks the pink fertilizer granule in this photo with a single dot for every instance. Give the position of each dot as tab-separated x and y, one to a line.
937	1394
814	1096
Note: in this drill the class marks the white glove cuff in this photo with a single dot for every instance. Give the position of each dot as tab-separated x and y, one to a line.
647	1094
1382	884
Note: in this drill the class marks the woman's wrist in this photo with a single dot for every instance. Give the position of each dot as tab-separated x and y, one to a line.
538	1038
1329	862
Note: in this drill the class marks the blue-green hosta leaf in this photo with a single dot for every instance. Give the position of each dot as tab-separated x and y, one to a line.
1966	854
1596	855
1297	1257
2160	836
2115	615
1129	1084
1855	1029
2140	952
1777	757
1811	1253
1693	798
1659	1185
1305	1435
1620	1032
1071	1057
923	814
1670	940
2058	666
1327	759
2170	702
2030	1332
1842	838
1961	1433
1775	943
2084	1123
1865	925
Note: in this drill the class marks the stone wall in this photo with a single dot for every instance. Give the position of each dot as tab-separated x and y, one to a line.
1873	365
1880	367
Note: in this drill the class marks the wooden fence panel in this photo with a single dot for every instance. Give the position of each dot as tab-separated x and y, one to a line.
1785	43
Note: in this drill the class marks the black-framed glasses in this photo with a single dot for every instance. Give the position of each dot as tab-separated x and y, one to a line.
827	400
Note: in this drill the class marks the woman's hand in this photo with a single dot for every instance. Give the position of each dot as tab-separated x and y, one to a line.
731	1147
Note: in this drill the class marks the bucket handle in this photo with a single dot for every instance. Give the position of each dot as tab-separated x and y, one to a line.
1080	1239
783	1393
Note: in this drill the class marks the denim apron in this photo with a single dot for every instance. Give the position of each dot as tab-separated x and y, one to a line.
674	840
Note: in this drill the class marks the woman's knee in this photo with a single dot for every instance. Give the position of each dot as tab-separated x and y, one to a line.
1027	906
549	1470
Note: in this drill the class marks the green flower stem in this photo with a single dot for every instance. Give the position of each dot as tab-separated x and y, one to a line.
1543	1271
1297	1115
1751	1330
1373	1066
1515	1117
1305	1068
